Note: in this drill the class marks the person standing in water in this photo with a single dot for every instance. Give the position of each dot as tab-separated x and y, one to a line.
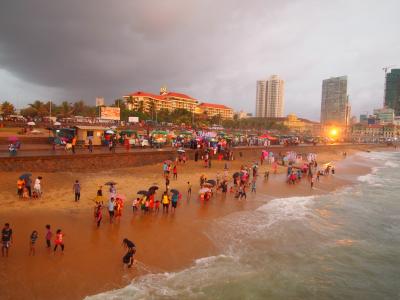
128	259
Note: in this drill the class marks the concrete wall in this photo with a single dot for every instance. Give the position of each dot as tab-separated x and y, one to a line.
103	161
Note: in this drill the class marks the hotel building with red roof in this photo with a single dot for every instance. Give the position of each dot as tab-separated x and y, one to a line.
171	101
212	110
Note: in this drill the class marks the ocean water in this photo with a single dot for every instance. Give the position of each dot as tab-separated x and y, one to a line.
343	245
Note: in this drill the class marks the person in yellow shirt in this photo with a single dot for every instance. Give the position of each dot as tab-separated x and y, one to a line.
20	187
165	202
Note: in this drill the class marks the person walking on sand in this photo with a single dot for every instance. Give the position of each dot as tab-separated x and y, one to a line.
166	183
90	147
174	201
59	241
189	189
99	214
111	209
312	182
77	190
37	189
28	184
175	171
165	202
48	236
32	242
73	144
6	239
253	186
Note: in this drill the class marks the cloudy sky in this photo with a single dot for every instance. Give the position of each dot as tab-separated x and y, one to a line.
213	50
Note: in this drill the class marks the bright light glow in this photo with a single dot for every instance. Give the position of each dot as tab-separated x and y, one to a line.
333	132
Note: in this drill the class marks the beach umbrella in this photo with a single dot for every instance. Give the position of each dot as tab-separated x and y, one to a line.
173	191
211	181
109	131
110	183
181	151
57	124
235	175
12	139
207	184
168	161
25	175
142	192
153	188
31	123
204	190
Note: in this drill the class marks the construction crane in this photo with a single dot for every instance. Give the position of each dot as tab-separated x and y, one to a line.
384	92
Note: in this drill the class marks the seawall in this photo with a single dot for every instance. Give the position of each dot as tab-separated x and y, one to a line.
101	161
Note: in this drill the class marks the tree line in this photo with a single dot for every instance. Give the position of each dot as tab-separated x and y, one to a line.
40	109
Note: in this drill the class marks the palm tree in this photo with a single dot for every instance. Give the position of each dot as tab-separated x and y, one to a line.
79	108
65	109
39	108
7	109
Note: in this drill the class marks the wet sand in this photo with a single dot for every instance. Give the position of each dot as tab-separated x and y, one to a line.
92	259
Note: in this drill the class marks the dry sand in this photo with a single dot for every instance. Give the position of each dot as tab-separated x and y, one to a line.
92	259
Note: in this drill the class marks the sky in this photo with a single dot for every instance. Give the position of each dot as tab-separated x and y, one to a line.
214	51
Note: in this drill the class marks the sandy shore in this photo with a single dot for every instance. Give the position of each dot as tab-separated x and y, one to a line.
92	259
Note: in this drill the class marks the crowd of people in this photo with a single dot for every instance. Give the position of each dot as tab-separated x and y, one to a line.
149	201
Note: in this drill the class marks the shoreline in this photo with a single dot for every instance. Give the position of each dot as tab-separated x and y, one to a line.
161	240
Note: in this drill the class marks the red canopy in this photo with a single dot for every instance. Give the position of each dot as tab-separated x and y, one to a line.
267	136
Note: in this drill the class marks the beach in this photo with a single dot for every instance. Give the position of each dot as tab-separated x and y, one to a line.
169	242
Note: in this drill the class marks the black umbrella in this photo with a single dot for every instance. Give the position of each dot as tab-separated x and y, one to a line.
142	192
211	181
237	174
154	188
25	176
110	183
173	191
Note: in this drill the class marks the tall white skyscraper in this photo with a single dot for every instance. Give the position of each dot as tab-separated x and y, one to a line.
270	97
335	108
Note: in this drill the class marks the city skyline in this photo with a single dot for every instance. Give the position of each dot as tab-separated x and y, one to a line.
65	51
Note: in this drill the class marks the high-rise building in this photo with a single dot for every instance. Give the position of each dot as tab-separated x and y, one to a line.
261	98
270	97
384	115
392	90
335	108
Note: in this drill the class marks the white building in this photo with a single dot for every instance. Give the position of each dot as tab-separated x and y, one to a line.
270	97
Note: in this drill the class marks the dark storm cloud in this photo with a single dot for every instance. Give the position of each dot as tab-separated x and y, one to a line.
213	50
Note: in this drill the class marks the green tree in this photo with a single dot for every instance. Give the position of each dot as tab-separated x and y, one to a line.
7	109
38	109
79	108
65	110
